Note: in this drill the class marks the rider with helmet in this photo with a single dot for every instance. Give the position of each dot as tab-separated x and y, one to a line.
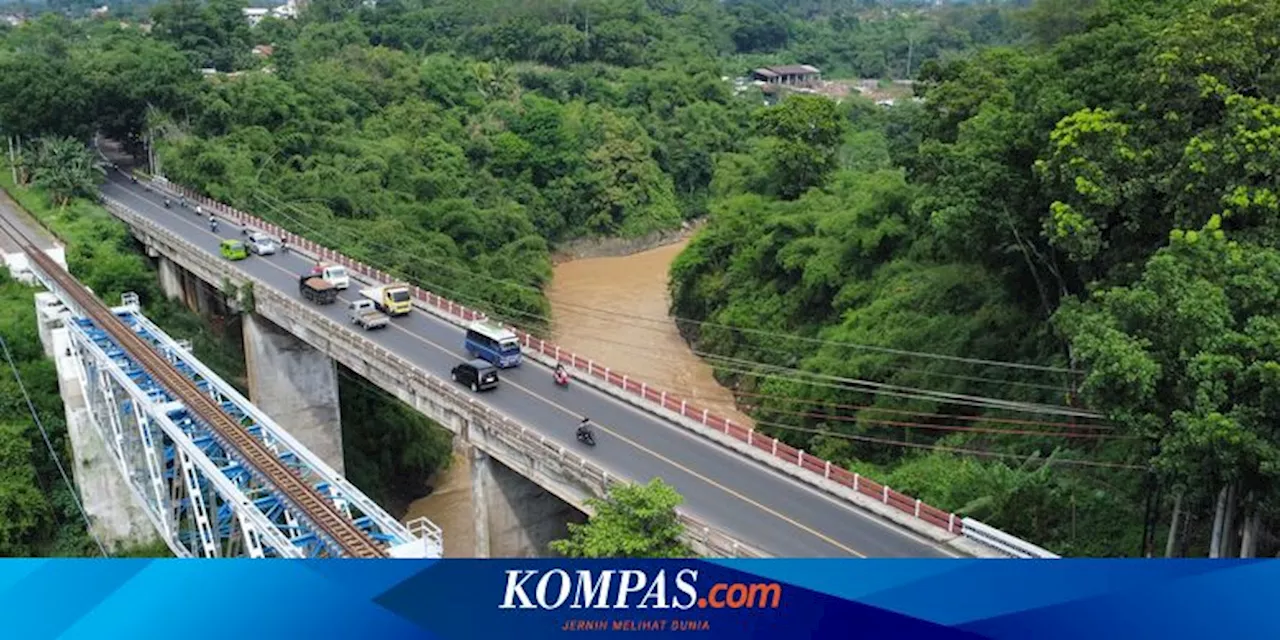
584	429
562	375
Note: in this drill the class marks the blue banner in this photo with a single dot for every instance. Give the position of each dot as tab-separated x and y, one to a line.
532	599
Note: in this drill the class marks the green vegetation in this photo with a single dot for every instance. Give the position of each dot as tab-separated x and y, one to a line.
634	521
1084	188
1033	209
38	516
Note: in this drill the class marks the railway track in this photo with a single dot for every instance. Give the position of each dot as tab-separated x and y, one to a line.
234	437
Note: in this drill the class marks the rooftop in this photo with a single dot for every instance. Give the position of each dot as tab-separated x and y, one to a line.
788	70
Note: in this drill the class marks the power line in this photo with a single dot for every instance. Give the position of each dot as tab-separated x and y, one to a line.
952	416
760	332
884	387
958	428
35	415
947	449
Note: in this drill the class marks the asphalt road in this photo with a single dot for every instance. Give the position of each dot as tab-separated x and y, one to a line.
744	498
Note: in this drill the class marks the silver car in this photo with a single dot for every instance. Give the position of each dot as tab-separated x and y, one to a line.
261	244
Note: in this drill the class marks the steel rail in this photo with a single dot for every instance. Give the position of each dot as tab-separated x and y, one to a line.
320	511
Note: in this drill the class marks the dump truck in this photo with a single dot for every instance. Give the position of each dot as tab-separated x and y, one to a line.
316	289
391	299
363	313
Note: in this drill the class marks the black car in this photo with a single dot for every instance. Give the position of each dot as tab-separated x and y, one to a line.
477	374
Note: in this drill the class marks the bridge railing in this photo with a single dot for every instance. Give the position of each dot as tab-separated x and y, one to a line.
510	433
817	471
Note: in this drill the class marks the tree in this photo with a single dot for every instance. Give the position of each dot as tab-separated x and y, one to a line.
803	133
635	521
66	168
1188	360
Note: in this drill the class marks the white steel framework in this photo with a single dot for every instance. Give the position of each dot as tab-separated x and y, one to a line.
200	495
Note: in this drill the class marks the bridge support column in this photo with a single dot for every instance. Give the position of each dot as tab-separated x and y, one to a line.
296	385
171	279
115	516
514	517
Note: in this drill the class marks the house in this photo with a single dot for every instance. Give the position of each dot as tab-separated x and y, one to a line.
255	15
285	11
264	50
790	75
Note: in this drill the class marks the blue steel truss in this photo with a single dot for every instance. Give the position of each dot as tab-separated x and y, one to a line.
201	496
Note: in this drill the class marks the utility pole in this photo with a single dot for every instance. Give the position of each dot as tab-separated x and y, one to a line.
13	161
911	47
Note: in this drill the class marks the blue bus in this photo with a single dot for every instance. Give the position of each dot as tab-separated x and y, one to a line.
494	343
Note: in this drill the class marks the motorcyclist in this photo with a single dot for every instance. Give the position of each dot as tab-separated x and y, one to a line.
584	429
166	203
562	376
182	201
213	224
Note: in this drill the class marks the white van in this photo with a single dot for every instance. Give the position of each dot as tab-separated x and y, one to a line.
335	274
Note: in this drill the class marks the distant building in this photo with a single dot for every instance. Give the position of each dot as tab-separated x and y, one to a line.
255	15
789	75
264	50
283	12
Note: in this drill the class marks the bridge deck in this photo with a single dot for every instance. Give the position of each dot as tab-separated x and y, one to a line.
758	505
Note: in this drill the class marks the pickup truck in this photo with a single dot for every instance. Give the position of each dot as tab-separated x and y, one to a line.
316	289
391	299
363	313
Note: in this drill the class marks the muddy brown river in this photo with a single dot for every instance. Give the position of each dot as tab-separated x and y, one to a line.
614	310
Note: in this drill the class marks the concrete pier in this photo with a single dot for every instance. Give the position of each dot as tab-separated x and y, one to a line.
296	385
514	518
114	515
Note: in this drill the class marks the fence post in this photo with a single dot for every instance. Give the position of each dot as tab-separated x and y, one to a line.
750	432
951	523
644	390
855	482
775	446
683	402
624	382
917	507
886	494
704	416
800	458
557	353
827	474
664	399
606	374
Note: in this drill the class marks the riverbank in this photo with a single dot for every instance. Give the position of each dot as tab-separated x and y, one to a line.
614	309
586	248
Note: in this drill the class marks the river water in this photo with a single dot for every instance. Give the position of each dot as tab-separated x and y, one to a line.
615	310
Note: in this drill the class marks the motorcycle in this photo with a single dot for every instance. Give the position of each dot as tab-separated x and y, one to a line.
562	379
166	203
586	437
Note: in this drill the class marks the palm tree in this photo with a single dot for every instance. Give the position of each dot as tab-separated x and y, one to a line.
66	168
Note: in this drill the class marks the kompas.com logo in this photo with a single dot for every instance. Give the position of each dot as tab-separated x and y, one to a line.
612	589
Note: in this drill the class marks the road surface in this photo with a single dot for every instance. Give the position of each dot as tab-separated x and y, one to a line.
744	498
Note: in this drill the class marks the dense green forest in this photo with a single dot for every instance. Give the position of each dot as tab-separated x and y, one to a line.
1078	215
